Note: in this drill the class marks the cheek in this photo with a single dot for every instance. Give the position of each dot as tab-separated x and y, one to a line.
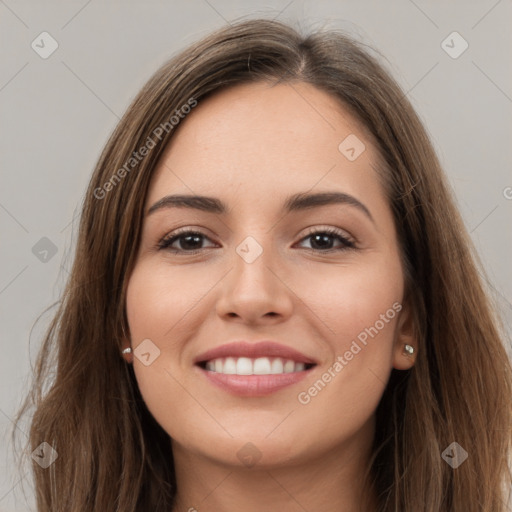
349	310
160	307
360	310
348	300
158	301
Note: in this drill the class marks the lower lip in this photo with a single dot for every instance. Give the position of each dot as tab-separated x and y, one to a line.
254	385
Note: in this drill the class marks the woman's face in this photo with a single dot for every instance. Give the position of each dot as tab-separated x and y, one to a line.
329	303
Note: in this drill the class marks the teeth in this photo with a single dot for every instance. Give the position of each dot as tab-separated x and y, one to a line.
277	366
229	366
289	367
259	366
244	366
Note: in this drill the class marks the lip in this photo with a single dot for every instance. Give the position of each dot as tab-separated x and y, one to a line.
265	348
253	385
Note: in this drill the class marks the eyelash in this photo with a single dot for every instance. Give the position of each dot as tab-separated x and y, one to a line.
167	241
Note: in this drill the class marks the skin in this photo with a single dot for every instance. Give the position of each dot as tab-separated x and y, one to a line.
252	146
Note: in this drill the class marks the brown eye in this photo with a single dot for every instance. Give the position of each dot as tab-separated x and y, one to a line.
322	240
188	242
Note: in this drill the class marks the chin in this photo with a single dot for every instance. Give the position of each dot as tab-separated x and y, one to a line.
249	447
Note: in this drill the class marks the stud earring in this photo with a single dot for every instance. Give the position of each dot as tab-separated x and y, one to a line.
127	350
409	349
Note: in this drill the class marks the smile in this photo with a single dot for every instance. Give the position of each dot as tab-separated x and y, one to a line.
253	369
257	366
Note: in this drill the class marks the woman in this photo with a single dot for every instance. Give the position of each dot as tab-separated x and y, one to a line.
274	303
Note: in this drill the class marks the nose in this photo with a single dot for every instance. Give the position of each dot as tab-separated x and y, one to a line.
255	291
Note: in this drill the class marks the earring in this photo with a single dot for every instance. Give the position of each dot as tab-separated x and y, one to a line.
409	349
127	350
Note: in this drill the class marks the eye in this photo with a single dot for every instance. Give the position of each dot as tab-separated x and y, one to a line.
321	239
187	239
190	241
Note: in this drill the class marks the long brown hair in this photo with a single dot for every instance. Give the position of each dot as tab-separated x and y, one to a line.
112	455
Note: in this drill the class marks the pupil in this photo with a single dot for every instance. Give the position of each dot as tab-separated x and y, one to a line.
193	237
324	237
321	241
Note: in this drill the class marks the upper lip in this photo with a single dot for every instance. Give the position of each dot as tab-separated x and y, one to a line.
264	348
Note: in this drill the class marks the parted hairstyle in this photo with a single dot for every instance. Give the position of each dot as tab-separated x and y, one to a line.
114	456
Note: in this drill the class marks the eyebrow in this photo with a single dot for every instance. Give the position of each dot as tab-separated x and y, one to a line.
296	202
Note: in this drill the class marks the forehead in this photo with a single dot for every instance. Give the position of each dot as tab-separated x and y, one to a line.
260	139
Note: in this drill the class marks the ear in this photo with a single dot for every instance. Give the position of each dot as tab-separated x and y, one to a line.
126	343
129	356
405	335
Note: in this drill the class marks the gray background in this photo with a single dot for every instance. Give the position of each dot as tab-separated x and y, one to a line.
57	113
